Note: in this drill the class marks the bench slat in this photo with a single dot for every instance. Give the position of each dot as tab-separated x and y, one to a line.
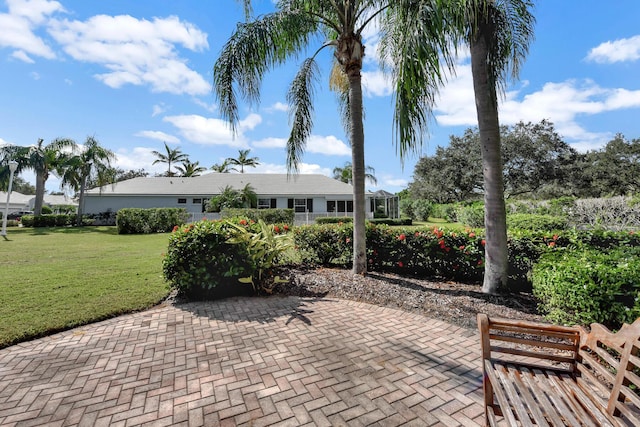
528	398
507	382
498	390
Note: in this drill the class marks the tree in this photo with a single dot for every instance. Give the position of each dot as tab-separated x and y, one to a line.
230	198
188	169
268	41
615	169
345	173
221	168
499	34
22	186
91	164
242	160
170	156
43	159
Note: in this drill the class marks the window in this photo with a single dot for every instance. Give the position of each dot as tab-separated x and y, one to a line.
182	201
331	206
264	203
343	206
300	205
197	201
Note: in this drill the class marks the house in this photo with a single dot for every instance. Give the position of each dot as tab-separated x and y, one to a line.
309	195
26	202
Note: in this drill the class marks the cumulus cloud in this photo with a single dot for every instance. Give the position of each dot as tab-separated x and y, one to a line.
270	143
278	106
563	103
160	136
139	158
19	27
211	131
327	145
616	51
375	83
136	51
304	168
22	56
158	109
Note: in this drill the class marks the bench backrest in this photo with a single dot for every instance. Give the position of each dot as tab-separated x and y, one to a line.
610	368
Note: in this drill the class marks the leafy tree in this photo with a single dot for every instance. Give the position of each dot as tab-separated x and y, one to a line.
615	170
91	163
242	160
170	156
22	186
188	169
221	167
271	39
345	173
230	198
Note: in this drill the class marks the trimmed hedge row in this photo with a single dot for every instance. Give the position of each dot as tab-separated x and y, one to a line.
146	221
61	220
269	216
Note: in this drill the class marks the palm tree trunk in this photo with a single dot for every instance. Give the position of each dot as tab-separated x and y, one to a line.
496	255
83	186
40	181
357	157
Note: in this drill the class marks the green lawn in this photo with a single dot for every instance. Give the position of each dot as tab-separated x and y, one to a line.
56	278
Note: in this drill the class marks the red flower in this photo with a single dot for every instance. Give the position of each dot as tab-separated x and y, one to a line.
461	247
483	242
417	233
552	244
276	228
402	237
175	228
472	234
400	264
479	262
286	227
348	240
243	222
555	237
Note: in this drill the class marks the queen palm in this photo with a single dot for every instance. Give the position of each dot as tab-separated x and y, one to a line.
188	169
499	34
243	160
272	39
91	163
170	156
221	167
345	173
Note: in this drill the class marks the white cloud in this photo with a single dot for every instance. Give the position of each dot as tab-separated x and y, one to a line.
375	83
206	131
160	136
250	122
22	56
562	103
270	143
136	51
19	26
616	51
329	145
209	107
139	158
34	75
158	109
278	106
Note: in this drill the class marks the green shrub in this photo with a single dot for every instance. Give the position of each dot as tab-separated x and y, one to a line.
146	221
47	220
324	243
46	210
406	208
422	209
535	222
333	219
269	216
586	286
472	215
200	263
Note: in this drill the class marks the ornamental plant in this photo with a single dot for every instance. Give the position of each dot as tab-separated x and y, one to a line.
264	247
200	263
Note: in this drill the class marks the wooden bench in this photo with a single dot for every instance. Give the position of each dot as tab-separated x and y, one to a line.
539	374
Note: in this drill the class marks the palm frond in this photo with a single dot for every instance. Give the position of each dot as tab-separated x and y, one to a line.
300	99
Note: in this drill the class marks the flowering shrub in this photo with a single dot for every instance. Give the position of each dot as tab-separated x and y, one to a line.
201	264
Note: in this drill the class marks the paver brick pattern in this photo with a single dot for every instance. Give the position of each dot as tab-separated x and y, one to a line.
278	361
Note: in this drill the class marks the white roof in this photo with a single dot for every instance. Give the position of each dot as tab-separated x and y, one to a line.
214	183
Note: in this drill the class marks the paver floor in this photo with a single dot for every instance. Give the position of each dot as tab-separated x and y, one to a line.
248	361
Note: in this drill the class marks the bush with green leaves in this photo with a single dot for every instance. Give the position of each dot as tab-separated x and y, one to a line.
50	220
324	244
270	216
448	211
391	221
46	210
333	219
471	215
146	221
406	207
200	263
422	209
585	286
536	222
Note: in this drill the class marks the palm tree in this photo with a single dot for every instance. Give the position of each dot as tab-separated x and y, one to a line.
243	160
268	41
221	168
92	163
188	169
499	34
345	173
169	156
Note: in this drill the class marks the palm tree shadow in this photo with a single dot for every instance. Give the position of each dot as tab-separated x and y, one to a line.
255	309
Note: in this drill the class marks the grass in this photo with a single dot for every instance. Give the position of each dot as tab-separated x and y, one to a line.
53	279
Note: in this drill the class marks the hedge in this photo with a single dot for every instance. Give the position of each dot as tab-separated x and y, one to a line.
269	216
146	221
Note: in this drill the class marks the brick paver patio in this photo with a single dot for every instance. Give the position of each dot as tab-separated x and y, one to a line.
248	361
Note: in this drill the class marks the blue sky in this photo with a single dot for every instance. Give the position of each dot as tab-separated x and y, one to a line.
134	74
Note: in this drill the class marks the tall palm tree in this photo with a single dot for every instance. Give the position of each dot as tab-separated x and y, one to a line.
499	33
345	173
188	169
221	167
170	156
91	164
243	160
268	41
